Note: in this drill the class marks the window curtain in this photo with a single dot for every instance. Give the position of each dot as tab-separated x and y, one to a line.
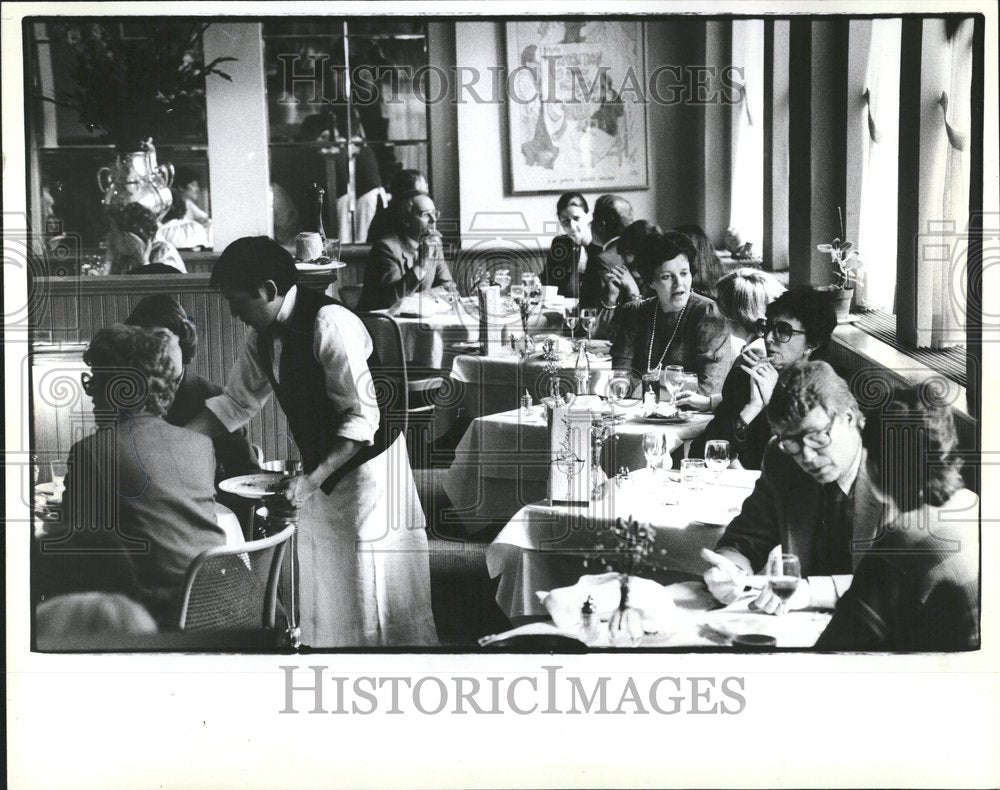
877	216
746	214
945	123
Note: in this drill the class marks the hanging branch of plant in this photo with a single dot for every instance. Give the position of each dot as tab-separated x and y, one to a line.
129	89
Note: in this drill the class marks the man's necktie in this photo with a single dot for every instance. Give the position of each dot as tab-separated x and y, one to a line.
832	545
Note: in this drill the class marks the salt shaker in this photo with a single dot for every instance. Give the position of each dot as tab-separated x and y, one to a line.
526	404
590	622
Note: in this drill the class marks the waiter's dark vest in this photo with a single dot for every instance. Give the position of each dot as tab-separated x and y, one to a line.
312	417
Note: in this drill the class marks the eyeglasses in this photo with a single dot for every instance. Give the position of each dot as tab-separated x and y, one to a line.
817	440
431	213
782	330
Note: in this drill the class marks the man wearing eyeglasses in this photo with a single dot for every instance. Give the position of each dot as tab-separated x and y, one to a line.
813	498
408	260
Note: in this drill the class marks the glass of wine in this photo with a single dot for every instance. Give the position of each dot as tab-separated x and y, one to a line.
571	316
717	457
619	386
671	380
654	446
783	574
588	320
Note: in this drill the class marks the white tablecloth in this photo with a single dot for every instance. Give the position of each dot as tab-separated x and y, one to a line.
502	462
544	547
699	624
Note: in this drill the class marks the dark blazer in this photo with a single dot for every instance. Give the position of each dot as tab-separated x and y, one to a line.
916	588
784	508
747	446
562	263
701	344
389	273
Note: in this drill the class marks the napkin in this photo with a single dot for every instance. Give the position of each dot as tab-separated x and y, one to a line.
564	605
420	305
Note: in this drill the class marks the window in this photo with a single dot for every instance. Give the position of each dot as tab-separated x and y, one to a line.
346	112
65	197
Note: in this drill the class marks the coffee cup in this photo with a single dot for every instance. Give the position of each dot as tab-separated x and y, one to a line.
308	246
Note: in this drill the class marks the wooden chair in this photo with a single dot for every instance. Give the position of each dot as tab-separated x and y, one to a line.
231	588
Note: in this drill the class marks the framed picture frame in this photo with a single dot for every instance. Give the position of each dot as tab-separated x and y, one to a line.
575	110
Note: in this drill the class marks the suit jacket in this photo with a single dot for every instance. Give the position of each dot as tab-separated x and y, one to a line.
917	586
144	487
701	344
562	265
785	507
389	273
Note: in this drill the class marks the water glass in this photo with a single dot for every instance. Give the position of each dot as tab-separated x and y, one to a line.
571	315
671	379
619	386
502	278
654	446
59	470
717	457
588	320
693	474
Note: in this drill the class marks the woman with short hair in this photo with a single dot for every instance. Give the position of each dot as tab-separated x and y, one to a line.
675	327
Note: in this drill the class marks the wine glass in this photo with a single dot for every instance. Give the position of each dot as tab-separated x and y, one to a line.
588	320
654	446
783	574
717	457
571	315
502	278
619	386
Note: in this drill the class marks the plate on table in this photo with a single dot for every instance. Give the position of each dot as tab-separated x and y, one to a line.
48	493
319	265
254	486
680	418
464	345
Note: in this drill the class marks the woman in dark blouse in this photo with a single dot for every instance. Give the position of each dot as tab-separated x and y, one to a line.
675	327
798	326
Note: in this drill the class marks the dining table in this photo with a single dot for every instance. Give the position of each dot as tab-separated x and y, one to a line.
546	546
502	462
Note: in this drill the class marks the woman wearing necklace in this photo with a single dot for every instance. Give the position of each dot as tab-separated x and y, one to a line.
675	327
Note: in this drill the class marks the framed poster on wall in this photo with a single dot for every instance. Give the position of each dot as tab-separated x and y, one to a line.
575	108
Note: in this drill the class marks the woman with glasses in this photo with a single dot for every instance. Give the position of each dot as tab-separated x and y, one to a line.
139	502
568	255
798	326
917	585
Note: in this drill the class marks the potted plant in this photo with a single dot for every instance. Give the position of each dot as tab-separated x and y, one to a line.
131	88
846	266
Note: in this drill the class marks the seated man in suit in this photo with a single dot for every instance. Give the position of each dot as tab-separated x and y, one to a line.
814	496
612	215
408	260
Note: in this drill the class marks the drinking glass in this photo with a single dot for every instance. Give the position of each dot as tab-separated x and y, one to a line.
619	386
571	315
654	446
671	379
588	320
502	278
717	457
693	473
59	469
783	574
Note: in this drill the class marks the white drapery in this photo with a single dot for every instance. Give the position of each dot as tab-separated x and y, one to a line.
746	213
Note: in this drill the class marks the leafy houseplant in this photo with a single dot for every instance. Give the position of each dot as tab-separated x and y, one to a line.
846	264
132	88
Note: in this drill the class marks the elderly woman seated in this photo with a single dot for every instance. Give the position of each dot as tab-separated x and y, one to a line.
675	327
798	326
917	585
139	502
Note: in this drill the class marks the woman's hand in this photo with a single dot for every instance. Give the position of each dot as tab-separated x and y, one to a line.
763	377
694	400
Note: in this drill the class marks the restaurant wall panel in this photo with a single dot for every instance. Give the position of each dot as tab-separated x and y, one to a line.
73	309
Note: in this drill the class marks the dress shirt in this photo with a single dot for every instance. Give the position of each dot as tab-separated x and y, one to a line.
342	346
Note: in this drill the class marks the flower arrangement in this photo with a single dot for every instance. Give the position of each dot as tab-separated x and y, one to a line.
131	88
632	549
844	257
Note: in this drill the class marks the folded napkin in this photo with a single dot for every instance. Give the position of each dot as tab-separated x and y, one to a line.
659	615
420	305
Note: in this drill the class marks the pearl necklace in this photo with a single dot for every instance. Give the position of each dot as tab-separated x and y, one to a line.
652	337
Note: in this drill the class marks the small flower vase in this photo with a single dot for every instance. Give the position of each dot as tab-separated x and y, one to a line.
626	622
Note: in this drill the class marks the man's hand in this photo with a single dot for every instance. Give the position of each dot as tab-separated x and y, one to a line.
299	488
694	400
430	239
725	579
769	603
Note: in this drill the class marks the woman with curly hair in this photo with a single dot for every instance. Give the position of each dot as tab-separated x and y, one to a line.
132	244
917	585
139	493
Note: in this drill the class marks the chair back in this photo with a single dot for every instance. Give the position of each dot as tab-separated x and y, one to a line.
231	588
391	381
